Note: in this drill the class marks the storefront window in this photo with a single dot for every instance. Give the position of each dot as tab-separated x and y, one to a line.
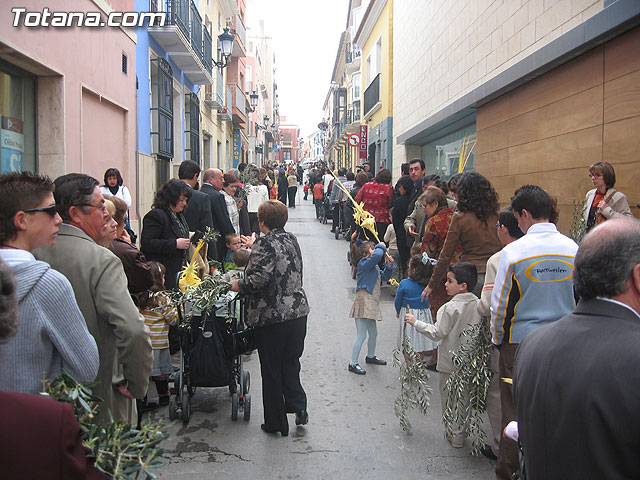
17	120
452	153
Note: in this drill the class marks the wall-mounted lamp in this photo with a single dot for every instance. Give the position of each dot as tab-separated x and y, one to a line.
226	46
253	100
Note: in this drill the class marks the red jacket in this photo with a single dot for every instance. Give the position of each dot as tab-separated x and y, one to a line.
40	438
377	198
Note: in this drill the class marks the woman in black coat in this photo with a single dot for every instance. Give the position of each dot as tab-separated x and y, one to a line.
165	233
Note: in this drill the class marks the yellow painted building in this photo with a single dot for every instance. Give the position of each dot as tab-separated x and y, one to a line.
374	37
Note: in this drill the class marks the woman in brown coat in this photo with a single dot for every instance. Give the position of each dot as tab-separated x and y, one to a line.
473	228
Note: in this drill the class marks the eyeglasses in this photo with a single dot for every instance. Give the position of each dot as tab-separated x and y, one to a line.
595	175
50	210
102	207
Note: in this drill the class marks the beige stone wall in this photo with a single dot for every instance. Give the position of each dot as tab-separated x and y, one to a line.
443	49
550	130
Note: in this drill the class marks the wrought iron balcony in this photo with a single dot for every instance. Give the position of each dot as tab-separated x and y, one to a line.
189	46
224	113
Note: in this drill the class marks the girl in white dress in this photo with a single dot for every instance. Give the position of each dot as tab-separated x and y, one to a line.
408	301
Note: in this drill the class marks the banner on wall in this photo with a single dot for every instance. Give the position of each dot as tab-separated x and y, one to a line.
364	141
11	144
237	147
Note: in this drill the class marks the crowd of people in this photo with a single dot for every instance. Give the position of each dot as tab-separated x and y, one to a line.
462	260
78	295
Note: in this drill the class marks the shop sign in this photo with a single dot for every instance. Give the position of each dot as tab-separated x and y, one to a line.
363	141
237	147
11	144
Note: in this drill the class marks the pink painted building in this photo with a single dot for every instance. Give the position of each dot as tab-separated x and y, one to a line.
288	143
68	95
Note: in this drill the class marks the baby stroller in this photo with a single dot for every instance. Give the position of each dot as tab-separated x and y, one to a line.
204	361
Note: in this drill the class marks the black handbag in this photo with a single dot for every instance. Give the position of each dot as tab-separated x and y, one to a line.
239	343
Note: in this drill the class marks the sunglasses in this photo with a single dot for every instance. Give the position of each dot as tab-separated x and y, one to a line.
50	210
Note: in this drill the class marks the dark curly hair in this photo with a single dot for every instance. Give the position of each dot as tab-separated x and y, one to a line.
477	195
170	193
418	271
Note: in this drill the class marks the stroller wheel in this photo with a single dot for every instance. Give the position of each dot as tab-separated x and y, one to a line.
173	413
191	390
186	407
233	387
235	400
246	382
247	407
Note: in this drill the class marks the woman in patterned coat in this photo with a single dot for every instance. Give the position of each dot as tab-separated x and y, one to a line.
277	307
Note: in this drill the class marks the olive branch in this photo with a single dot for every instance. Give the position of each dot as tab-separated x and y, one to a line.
468	385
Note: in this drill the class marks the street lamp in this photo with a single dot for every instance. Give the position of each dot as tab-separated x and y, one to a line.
253	99
266	120
226	46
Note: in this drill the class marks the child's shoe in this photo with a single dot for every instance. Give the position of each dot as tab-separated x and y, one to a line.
375	360
357	369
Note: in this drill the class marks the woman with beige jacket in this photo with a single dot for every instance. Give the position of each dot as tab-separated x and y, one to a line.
604	201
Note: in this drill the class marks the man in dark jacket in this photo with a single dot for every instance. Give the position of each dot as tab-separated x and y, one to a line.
198	211
212	182
577	380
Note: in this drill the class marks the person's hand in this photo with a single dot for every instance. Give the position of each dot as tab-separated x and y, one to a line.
381	244
397	315
426	293
182	243
412	230
235	286
602	205
410	319
247	241
122	390
389	260
354	235
125	236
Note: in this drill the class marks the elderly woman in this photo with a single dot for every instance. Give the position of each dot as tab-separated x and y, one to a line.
165	233
377	196
436	209
277	307
472	228
604	201
135	265
229	191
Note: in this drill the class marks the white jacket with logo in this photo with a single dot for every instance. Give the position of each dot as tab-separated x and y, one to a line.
534	283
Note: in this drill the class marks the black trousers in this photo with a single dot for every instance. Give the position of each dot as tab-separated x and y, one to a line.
280	347
292	196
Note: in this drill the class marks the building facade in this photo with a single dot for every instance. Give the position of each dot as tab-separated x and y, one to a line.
523	92
65	112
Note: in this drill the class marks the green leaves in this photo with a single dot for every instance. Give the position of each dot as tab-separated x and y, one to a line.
415	391
578	227
121	451
470	380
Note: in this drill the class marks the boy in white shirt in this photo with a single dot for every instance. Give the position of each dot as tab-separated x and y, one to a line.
452	318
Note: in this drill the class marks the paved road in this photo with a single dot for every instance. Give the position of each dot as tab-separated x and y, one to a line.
353	432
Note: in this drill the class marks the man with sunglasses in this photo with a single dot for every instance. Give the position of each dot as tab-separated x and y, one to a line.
52	334
100	286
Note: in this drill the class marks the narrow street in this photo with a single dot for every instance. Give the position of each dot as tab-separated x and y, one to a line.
353	431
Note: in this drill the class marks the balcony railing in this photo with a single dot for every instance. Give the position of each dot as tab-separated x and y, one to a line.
183	33
241	41
372	95
207	50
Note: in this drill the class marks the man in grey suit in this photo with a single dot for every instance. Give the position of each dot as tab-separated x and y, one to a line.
577	380
100	288
198	211
212	182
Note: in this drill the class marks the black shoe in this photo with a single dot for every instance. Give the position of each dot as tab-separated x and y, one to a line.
487	451
375	360
284	433
432	367
302	417
357	369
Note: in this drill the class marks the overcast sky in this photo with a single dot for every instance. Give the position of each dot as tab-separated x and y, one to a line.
305	34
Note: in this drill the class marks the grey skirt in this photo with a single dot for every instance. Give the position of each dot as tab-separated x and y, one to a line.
367	305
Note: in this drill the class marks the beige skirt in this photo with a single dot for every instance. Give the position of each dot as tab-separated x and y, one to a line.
367	305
